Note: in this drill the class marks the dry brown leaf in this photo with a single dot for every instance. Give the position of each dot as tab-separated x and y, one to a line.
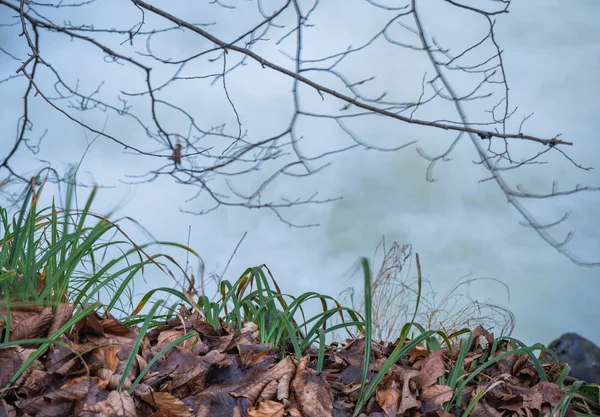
267	409
122	403
435	396
10	362
312	391
431	369
33	325
481	409
408	399
269	391
62	315
167	404
388	397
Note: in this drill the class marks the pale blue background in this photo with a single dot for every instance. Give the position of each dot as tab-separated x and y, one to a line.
552	56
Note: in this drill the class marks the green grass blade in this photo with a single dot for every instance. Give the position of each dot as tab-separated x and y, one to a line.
368	329
138	341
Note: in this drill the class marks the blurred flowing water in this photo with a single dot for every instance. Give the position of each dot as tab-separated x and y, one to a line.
457	225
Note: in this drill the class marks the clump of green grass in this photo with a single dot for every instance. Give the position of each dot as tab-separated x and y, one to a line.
58	256
279	316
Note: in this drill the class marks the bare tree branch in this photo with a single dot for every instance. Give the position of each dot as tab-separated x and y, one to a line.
158	90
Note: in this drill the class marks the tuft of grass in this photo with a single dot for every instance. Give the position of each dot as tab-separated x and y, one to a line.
54	256
393	296
256	298
403	345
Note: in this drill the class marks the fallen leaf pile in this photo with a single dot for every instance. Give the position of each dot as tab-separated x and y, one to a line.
226	372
